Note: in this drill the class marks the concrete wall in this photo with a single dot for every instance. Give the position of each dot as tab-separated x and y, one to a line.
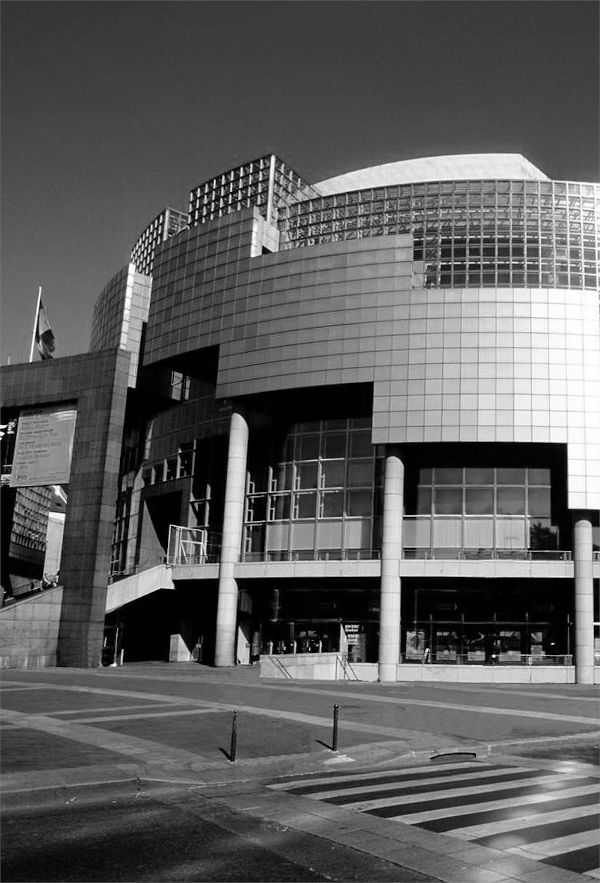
96	384
29	631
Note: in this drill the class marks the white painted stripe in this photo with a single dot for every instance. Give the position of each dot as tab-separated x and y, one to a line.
557	846
472	832
99	708
150	714
473	808
432	780
452	792
351	777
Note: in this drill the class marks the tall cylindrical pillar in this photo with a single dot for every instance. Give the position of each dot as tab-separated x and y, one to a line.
391	552
584	598
233	520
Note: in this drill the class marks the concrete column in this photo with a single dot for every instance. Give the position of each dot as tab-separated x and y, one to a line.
233	520
584	598
391	552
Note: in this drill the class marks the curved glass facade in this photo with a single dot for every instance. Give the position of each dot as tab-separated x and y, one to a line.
468	233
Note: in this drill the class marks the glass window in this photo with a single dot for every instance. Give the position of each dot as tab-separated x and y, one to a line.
309	447
446	475
539	501
448	501
282	476
511	476
303	536
306	475
330	535
539	476
257	508
479	501
332	472
542	534
306	506
332	504
360	444
424	501
360	473
358	503
511	500
334	445
479	476
280	507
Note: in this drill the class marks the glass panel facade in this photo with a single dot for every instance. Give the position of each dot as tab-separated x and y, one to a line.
467	233
482	509
326	492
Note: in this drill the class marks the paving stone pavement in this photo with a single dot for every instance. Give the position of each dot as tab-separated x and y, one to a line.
163	733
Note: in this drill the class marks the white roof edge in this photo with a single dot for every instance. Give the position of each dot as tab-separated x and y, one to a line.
463	166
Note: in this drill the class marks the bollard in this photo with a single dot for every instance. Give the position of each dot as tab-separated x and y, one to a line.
334	739
233	737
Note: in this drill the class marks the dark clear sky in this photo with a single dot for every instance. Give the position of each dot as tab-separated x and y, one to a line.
113	110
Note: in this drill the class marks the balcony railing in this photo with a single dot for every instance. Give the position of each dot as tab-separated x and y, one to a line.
193	545
487	554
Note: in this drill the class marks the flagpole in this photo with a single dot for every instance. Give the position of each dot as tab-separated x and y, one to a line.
35	323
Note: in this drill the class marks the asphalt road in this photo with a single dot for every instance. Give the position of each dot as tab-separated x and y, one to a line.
146	838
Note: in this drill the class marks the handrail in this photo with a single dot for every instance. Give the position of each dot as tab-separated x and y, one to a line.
280	666
347	670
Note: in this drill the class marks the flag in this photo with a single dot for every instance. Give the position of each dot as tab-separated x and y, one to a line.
44	336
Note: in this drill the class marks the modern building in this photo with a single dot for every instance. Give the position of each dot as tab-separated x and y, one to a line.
360	427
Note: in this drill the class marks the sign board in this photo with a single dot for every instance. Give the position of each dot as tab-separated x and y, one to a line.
43	447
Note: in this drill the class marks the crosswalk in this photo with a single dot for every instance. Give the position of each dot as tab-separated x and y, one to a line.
552	817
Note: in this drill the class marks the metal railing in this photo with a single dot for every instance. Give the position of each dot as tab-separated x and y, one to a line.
192	545
348	673
421	554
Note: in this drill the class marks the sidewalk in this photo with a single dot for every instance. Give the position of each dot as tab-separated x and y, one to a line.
163	732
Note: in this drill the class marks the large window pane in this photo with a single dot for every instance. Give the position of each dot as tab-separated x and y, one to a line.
360	444
448	501
511	501
542	534
447	475
303	536
329	535
479	476
332	472
539	501
511	476
306	475
539	476
479	533
360	473
306	506
359	503
447	533
309	447
357	534
257	508
510	533
278	537
332	504
334	445
282	477
416	533
424	501
280	506
479	501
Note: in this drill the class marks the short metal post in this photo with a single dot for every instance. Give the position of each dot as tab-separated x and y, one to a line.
233	737
334	739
